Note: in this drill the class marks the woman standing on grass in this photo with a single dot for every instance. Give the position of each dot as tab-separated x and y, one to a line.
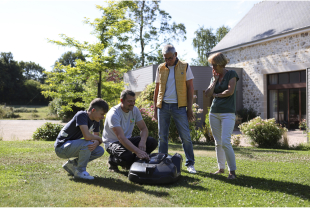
222	112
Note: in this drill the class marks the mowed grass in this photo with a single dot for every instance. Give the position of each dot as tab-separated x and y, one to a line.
31	176
35	112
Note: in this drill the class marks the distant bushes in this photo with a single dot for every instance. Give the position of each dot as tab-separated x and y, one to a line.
7	112
47	132
25	110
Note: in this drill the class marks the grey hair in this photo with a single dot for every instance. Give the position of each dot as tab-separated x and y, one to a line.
168	48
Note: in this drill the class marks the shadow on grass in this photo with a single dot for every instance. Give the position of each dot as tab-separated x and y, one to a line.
119	185
131	187
290	188
175	146
248	152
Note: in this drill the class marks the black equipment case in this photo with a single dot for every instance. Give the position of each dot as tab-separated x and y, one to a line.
160	169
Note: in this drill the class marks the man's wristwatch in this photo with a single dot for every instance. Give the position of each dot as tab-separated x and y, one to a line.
216	95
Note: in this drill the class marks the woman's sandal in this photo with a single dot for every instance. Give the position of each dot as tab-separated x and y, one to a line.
218	172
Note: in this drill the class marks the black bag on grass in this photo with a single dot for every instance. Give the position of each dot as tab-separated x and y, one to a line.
160	169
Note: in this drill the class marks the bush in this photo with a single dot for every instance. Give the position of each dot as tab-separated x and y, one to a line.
303	124
236	140
7	112
263	133
196	132
246	114
146	97
207	129
55	108
151	123
47	132
24	110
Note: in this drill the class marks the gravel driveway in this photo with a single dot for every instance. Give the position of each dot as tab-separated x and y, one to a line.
11	130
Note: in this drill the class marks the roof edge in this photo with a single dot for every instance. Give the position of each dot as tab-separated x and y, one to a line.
292	32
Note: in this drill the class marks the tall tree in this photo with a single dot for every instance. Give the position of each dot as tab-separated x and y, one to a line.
18	86
33	71
77	86
11	79
153	28
221	32
69	58
205	40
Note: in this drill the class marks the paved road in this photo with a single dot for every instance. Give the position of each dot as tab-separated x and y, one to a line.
20	129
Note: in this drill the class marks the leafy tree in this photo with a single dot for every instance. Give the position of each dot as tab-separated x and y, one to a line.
33	71
147	16
11	79
205	40
221	32
69	58
78	85
32	92
18	86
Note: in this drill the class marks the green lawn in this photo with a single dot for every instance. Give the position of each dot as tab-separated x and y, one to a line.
32	112
31	176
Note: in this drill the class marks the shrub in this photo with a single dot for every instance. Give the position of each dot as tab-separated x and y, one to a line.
146	97
195	132
151	123
47	132
263	133
246	114
24	110
7	112
207	129
55	108
236	139
303	124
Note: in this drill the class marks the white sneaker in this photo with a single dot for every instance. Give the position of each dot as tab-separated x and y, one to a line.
83	175
191	169
70	167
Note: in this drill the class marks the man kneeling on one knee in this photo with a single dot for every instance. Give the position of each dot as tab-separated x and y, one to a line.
117	134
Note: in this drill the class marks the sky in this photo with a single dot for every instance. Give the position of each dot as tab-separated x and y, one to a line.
26	26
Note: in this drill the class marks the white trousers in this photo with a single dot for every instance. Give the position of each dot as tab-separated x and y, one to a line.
222	126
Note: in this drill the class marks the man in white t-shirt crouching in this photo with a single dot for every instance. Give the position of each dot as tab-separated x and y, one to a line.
117	134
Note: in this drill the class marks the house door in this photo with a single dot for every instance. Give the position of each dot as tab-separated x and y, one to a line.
287	98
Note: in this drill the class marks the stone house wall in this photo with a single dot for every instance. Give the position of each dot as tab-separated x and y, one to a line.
284	54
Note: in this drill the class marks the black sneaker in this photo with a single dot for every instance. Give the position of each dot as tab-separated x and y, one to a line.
112	167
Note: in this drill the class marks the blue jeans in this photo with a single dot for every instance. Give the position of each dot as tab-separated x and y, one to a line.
179	116
78	148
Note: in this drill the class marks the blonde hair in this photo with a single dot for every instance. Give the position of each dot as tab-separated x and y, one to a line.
219	59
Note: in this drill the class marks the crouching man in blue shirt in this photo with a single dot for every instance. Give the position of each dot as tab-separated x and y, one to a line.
80	138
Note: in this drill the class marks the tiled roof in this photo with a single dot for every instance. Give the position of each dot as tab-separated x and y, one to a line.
267	19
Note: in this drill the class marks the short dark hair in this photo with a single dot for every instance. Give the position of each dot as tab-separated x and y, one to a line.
127	92
98	104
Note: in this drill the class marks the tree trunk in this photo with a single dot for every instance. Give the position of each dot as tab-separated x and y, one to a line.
141	34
